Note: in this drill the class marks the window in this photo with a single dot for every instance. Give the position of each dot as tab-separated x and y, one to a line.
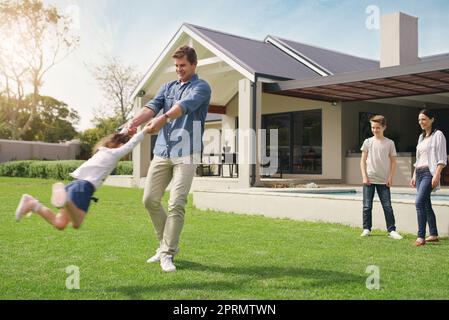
300	140
307	142
281	122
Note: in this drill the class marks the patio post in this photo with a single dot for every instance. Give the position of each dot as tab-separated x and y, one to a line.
248	147
141	153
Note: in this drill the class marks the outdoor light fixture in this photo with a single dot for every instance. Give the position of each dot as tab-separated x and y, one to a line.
334	103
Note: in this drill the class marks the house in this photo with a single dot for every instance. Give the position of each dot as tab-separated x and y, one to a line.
318	99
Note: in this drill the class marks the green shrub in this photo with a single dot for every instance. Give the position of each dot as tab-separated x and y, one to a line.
15	168
57	170
123	168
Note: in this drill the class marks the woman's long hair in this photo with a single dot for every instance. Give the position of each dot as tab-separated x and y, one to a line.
429	114
113	140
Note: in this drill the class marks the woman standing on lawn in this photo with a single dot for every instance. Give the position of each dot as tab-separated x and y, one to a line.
431	158
74	199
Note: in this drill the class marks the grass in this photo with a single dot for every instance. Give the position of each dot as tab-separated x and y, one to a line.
223	256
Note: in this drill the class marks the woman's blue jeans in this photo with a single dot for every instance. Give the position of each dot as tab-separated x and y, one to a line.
423	203
385	199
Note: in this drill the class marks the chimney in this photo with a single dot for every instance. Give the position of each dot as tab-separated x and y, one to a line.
398	40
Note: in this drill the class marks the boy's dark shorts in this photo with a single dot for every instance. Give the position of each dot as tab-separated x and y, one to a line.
80	193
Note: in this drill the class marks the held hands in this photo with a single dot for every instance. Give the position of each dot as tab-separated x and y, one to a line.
129	129
155	124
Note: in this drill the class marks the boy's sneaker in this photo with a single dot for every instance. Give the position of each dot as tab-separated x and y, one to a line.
26	206
365	233
58	195
156	257
167	263
395	235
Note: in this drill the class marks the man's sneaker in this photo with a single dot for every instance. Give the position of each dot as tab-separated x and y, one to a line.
395	235
156	257
167	263
58	195
26	206
365	233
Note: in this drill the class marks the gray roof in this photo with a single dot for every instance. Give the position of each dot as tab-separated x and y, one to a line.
255	56
333	61
268	60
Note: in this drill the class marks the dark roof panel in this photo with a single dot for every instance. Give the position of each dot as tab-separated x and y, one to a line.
335	62
260	57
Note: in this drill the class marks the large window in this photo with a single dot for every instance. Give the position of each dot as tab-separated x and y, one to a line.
281	122
300	140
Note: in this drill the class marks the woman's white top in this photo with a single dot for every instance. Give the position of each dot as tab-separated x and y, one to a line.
435	151
103	162
422	150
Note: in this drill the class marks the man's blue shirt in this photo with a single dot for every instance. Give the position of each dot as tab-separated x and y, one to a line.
184	135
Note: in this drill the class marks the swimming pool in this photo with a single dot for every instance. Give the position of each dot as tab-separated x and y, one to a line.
334	205
358	194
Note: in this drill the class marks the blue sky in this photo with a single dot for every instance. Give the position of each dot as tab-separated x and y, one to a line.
138	30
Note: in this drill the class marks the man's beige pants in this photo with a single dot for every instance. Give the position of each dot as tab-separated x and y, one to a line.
180	172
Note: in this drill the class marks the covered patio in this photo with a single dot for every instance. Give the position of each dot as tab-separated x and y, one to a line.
397	92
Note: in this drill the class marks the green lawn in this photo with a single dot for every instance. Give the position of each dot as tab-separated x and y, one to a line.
223	256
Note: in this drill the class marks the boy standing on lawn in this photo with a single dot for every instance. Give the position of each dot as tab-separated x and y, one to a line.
378	165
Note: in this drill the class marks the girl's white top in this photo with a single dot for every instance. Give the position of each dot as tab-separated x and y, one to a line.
103	162
436	151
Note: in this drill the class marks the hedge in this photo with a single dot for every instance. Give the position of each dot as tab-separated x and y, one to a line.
58	170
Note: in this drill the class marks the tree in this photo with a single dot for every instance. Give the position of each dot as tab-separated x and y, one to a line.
33	38
90	137
117	81
54	120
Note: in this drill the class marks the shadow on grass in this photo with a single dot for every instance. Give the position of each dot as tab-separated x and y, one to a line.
310	280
